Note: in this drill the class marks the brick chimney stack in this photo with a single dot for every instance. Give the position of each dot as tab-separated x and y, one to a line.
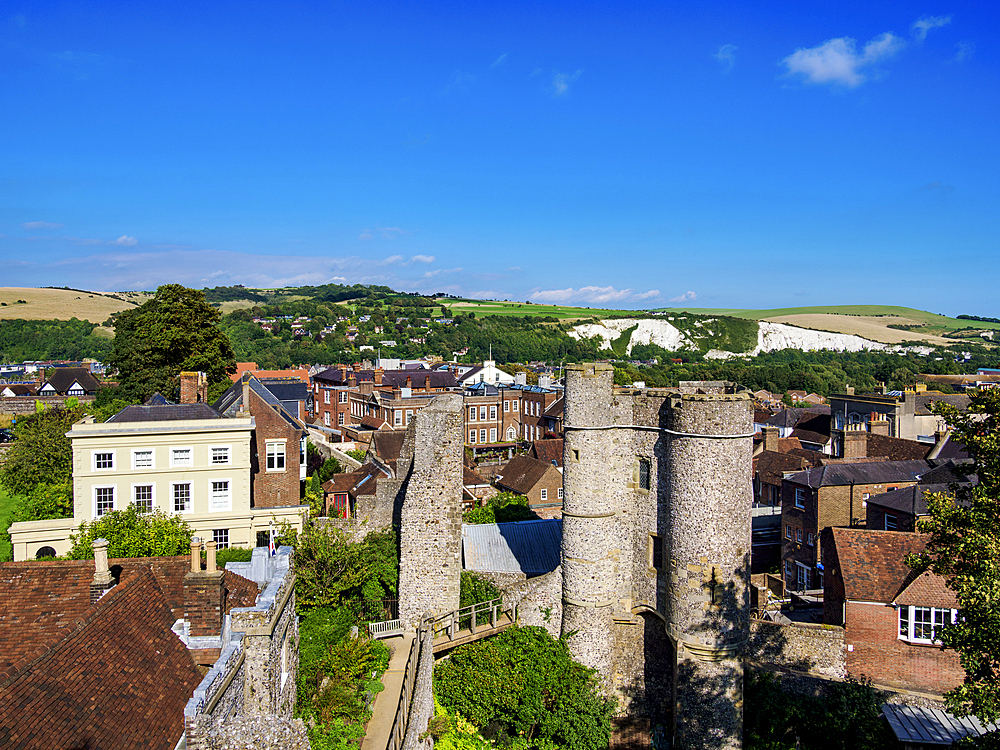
194	388
103	580
203	593
770	436
855	443
378	375
427	383
343	373
409	382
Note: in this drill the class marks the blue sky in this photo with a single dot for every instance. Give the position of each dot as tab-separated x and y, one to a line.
625	155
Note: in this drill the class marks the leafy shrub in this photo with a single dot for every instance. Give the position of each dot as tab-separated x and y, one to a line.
232	554
133	534
501	508
523	683
357	455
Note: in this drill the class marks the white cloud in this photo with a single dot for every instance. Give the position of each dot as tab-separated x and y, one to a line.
964	50
126	241
838	60
922	25
393	260
726	55
595	295
422	259
438	271
41	225
686	297
499	61
365	236
561	81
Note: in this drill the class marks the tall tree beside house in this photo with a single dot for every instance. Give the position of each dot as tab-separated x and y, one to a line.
964	547
174	332
41	454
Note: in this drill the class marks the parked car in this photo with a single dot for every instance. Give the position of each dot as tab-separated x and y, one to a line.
6	436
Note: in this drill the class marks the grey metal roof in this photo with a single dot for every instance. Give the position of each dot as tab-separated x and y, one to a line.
908	499
529	547
932	726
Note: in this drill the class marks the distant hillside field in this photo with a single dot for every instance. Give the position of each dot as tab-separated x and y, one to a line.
563	312
58	304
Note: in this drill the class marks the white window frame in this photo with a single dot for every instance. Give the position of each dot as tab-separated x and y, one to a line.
543	495
217	534
152	458
802	576
173	497
267	456
326	396
798	535
482	436
800	498
397	416
895	522
559	493
211	455
472	436
409	416
343	397
472	413
511	434
788	531
513	405
340	419
114	498
493	434
506	406
482	413
811	539
152	495
103	452
493	412
326	418
222	503
174	464
938	616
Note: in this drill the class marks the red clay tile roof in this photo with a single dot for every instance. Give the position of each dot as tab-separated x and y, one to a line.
927	590
522	473
897	449
388	445
769	465
548	451
240	591
119	679
472	478
872	563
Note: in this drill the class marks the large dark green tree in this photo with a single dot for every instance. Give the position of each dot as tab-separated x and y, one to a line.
174	332
964	547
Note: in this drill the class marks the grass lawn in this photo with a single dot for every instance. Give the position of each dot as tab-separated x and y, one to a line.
490	307
6	505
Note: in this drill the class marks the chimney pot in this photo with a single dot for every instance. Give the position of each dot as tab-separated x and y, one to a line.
195	555
210	555
103	580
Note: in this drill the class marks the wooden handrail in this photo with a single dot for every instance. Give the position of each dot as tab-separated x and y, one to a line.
402	719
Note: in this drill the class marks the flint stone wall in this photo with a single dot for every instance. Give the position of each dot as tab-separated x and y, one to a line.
422	703
816	649
430	544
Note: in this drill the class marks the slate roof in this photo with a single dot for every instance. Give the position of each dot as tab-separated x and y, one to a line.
286	389
550	451
64	377
908	500
21	389
522	473
874	472
232	400
924	401
932	726
872	563
529	547
119	678
165	413
808	436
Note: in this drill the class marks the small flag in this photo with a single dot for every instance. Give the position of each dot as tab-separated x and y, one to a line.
270	544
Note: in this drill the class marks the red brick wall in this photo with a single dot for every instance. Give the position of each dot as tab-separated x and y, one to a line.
272	489
203	603
880	655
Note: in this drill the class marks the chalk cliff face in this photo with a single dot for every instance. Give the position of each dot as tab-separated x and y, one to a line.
770	337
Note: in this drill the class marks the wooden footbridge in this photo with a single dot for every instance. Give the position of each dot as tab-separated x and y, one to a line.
463	625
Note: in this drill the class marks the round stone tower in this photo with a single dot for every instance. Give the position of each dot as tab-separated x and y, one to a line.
707	549
589	542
